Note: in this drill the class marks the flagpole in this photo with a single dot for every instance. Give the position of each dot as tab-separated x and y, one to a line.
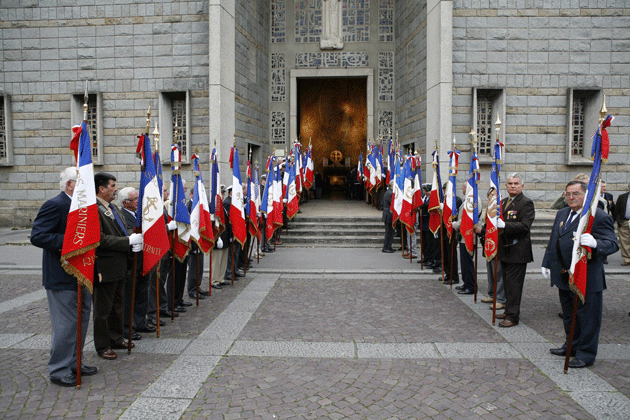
496	257
475	236
79	287
174	200
156	139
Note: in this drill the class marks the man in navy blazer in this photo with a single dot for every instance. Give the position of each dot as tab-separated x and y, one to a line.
557	261
48	231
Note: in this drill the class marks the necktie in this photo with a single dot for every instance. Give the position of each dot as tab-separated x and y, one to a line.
571	216
118	219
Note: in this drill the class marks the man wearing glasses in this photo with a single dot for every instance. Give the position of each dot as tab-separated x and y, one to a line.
556	264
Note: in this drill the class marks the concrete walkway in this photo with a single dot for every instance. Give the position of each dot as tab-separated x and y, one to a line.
323	333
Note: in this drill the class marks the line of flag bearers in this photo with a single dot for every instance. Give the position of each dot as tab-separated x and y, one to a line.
574	257
135	260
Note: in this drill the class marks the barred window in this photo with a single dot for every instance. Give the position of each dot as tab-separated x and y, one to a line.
577	142
3	131
484	126
94	122
179	121
174	112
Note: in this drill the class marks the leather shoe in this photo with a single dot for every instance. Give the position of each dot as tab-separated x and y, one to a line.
558	352
184	303
86	370
462	287
123	345
466	292
201	297
108	354
147	329
217	286
136	337
225	283
499	306
153	323
180	309
437	270
507	323
487	300
577	363
239	273
167	313
389	251
501	316
447	281
68	380
204	292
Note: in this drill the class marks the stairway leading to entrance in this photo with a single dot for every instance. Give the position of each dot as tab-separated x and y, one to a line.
346	223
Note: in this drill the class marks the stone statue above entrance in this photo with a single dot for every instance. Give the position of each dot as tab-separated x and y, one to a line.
331	25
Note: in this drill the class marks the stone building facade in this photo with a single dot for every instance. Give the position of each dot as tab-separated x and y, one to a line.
227	71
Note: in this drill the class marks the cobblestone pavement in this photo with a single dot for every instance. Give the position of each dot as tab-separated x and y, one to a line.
350	343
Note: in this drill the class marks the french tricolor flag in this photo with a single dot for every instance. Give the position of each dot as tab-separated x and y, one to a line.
237	210
292	197
200	223
436	197
150	216
470	216
83	232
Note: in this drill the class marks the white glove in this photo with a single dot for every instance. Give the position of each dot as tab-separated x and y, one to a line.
456	225
136	248
284	201
587	240
500	224
219	243
172	225
545	272
135	238
212	217
436	235
442	206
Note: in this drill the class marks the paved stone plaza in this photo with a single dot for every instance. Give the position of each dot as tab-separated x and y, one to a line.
323	333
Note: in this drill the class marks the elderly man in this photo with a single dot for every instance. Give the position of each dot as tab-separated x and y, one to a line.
112	256
48	231
515	246
555	266
622	217
129	201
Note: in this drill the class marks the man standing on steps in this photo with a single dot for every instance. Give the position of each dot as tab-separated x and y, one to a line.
515	246
387	218
555	266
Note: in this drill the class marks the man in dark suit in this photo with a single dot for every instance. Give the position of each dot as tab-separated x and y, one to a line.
450	249
388	218
112	257
48	231
129	202
622	216
557	261
515	247
607	202
234	247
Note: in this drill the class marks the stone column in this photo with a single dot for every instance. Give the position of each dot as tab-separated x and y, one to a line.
439	80
221	83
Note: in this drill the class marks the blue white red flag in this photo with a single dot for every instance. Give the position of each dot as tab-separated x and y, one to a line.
216	200
278	198
406	216
470	216
177	209
83	233
292	197
267	202
581	254
360	168
436	198
150	212
494	211
200	224
253	200
417	182
310	172
399	186
450	203
237	211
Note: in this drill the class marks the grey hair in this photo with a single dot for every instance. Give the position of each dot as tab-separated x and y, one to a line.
124	193
68	174
515	175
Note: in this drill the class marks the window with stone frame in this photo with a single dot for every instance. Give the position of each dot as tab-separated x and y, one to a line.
488	106
3	131
582	122
174	124
94	122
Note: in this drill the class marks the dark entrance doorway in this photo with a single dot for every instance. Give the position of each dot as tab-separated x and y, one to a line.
332	114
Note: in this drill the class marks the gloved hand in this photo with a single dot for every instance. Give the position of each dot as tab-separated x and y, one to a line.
545	272
587	240
442	206
212	217
500	224
172	225
456	225
284	200
135	238
436	235
219	243
136	248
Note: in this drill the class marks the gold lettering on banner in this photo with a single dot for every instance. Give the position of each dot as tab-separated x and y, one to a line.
151	203
148	249
88	261
79	234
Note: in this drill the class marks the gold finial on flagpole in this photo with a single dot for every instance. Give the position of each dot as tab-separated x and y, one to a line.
437	145
85	102
497	124
234	139
156	138
603	111
148	120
